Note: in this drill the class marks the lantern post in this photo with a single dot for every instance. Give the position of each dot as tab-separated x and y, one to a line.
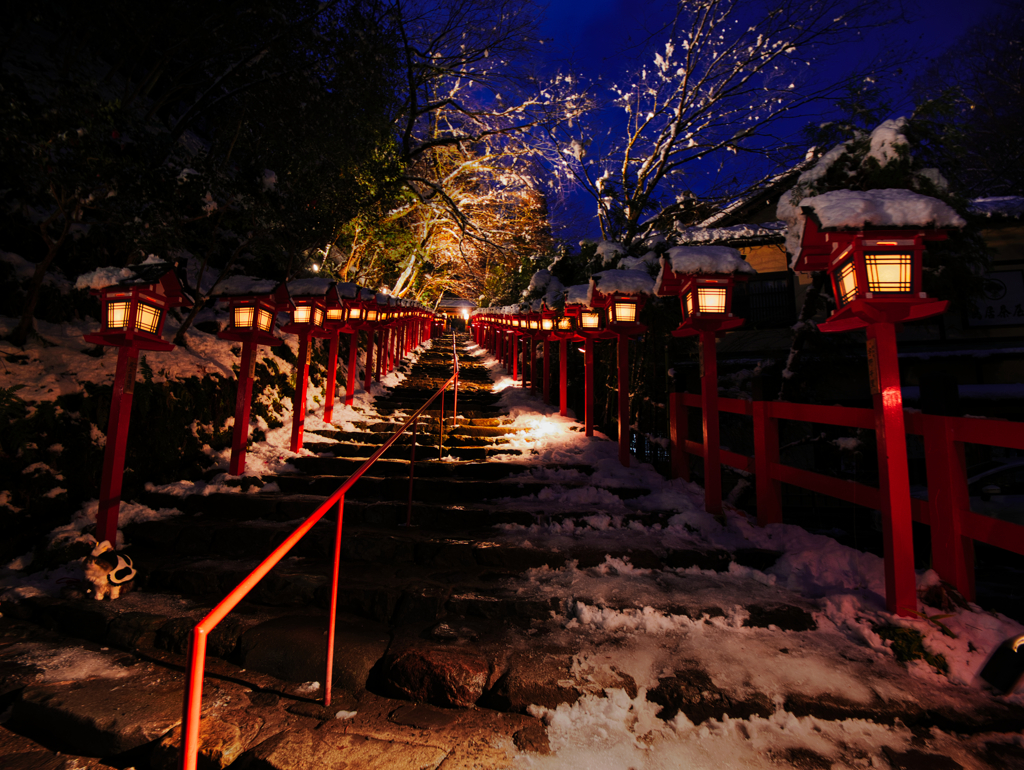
589	327
874	259
622	294
338	319
564	332
252	307
368	302
134	308
307	299
703	277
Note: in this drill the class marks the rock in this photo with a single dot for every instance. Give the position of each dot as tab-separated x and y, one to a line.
692	692
442	676
330	749
294	648
133	630
785	617
533	737
222	738
100	717
543	677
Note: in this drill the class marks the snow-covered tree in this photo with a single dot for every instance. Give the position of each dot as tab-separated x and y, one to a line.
704	111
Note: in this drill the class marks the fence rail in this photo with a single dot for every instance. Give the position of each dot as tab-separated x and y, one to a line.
197	647
953	525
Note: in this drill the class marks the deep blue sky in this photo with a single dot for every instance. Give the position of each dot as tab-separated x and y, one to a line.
595	36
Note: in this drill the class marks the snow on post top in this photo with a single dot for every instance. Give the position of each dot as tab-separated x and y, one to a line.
150	271
243	286
695	260
622	282
858	209
309	287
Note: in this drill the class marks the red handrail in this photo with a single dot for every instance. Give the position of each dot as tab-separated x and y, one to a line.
197	646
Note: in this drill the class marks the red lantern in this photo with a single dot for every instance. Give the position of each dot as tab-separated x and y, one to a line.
134	302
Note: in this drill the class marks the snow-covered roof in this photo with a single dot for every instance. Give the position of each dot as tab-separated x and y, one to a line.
1010	206
763	232
578	294
707	259
150	271
856	209
243	285
347	290
623	282
455	303
550	288
309	287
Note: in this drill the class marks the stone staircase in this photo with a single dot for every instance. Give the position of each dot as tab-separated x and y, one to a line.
440	649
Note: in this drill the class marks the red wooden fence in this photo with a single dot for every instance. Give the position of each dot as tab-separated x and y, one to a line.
954	526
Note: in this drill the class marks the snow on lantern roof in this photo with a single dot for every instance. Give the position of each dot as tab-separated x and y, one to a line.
707	259
347	290
622	282
578	294
1009	206
243	286
860	209
367	294
309	287
148	272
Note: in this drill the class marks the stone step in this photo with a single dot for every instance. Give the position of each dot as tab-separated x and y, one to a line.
449	491
425	468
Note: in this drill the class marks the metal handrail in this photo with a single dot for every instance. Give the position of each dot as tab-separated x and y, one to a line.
197	646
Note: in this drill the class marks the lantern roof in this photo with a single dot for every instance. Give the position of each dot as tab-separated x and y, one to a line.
156	272
347	290
697	260
893	208
578	295
309	287
244	286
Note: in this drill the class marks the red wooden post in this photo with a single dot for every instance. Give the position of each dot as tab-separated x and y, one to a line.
624	399
301	384
117	439
368	370
515	357
677	431
893	474
588	385
243	401
766	455
563	377
945	464
547	371
380	355
332	376
709	408
353	364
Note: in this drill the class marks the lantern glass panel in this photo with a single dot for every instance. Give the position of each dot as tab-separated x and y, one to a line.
117	315
302	314
147	318
625	312
371	314
888	273
565	323
547	324
244	317
590	320
335	314
846	282
354	313
711	299
318	317
264	319
533	323
688	304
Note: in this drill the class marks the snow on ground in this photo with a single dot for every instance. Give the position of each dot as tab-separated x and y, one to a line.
646	622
